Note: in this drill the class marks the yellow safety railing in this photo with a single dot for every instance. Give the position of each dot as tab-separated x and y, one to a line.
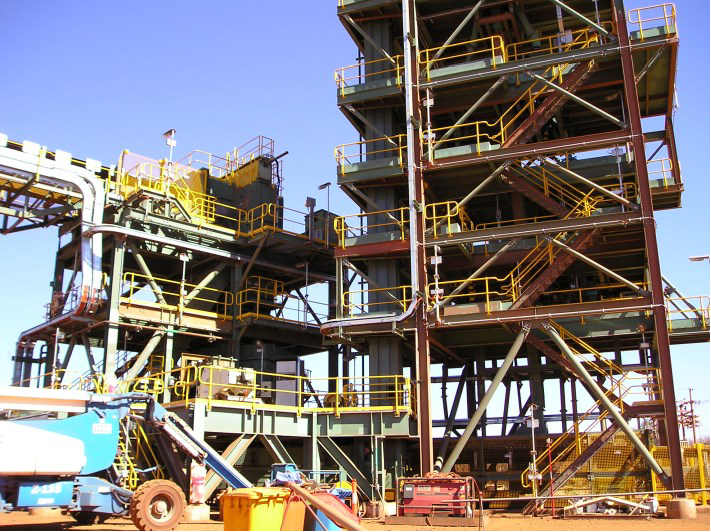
136	290
488	47
568	444
144	451
366	71
259	390
124	466
357	225
379	300
384	147
66	379
649	17
266	299
661	169
445	215
699	310
624	386
498	131
600	292
580	202
548	44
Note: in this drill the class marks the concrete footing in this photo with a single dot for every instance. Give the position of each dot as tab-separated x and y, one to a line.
195	513
681	509
45	512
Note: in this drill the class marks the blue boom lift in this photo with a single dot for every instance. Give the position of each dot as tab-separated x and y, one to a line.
67	462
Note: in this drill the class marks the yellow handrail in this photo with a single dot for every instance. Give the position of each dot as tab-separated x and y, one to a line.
357	152
548	44
668	15
495	48
397	295
364	70
497	131
395	220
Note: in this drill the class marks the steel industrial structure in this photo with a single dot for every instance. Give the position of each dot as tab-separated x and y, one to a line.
507	193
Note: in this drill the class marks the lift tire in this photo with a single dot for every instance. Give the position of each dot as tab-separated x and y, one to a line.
157	505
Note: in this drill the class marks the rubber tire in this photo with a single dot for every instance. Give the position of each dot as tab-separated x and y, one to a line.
144	496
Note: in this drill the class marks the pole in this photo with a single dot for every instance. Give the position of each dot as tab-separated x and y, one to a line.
607	404
693	419
534	467
462	441
550	474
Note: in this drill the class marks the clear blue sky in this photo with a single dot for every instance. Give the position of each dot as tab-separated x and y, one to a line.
94	78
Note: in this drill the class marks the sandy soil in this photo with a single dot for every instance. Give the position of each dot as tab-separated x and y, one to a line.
23	521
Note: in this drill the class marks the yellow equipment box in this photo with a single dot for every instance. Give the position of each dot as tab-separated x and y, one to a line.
254	508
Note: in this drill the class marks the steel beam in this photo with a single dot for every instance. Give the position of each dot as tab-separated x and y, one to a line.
142	357
368	38
579	100
581	17
476	274
599	266
484	403
458	29
469	112
574	175
89	356
203	283
147	272
650	236
451	418
413	117
476	190
649	64
604	401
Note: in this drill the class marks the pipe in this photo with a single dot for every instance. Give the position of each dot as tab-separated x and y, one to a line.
481	408
92	191
683	298
180	244
580	17
579	100
143	356
469	112
202	284
452	418
598	266
147	272
456	31
496	173
413	206
602	398
589	183
477	273
337	517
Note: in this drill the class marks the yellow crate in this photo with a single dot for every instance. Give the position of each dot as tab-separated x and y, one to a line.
254	508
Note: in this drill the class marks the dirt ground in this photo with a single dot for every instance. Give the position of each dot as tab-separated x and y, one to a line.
23	521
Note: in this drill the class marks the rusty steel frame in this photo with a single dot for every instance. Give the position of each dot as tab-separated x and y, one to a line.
650	236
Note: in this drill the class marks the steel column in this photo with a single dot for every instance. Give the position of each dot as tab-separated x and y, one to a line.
414	167
481	408
650	237
451	418
605	402
112	330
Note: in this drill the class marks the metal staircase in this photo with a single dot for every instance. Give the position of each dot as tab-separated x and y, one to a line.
624	386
